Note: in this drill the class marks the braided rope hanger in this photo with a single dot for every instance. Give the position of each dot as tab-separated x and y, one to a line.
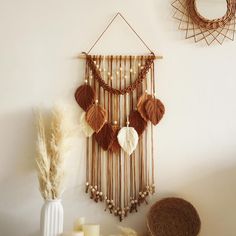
128	89
82	56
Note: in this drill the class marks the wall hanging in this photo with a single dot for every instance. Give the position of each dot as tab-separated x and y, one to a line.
199	28
120	108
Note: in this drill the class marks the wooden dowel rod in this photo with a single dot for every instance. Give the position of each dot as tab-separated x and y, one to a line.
82	56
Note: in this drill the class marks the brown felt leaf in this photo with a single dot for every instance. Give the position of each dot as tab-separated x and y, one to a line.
136	121
105	136
141	105
115	146
85	96
96	117
154	110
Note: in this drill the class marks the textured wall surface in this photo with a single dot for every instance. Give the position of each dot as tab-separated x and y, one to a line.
196	147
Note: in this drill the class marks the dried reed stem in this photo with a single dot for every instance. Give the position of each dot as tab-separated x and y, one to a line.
50	154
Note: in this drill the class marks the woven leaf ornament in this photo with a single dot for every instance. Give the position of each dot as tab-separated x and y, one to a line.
154	110
115	146
85	127
141	105
85	96
137	122
96	117
105	136
128	139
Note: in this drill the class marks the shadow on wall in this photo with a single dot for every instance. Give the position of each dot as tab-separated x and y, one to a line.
17	141
20	200
214	196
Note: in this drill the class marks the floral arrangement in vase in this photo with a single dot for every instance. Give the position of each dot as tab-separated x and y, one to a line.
51	148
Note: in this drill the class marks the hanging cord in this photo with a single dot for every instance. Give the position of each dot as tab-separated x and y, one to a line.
119	14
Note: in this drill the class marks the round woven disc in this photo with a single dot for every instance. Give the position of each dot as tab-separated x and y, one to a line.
173	217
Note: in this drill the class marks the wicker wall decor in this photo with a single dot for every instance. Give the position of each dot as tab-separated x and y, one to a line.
200	28
173	217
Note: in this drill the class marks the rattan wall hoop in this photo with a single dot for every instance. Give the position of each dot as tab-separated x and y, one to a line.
201	28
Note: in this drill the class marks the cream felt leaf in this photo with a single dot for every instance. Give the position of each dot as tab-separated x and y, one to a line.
128	139
85	127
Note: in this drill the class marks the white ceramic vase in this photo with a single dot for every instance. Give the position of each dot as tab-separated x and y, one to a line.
51	221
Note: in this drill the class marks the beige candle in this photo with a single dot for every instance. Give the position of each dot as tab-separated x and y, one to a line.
78	233
91	230
78	224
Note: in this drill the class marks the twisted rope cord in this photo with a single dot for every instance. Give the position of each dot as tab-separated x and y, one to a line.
129	25
141	76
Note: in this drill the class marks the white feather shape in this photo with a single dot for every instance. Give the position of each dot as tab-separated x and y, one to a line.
128	139
85	127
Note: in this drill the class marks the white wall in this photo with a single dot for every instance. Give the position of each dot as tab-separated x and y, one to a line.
196	156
